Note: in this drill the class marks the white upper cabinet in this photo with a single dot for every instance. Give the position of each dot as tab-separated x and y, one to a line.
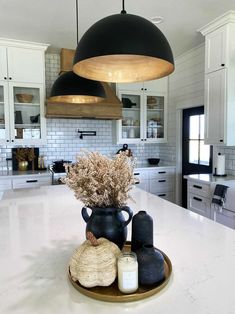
216	49
215	98
22	92
219	80
25	65
3	64
144	112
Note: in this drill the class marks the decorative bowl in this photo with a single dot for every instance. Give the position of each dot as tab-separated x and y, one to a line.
24	98
153	161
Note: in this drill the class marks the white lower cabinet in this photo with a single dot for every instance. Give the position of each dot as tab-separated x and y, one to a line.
159	181
200	197
5	184
25	181
30	182
225	217
200	205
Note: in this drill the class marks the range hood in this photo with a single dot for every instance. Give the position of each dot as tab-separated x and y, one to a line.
110	108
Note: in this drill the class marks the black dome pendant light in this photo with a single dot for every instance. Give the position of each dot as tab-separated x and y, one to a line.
71	88
123	48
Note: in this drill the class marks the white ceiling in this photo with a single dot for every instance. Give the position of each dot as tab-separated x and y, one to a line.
53	21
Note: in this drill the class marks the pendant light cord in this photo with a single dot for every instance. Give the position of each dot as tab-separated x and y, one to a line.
123	7
77	19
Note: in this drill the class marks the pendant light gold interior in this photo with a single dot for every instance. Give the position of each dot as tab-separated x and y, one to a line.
135	68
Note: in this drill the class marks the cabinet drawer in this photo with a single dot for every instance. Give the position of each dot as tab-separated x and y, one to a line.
199	204
31	181
162	172
144	185
199	189
161	185
5	184
169	196
226	217
141	174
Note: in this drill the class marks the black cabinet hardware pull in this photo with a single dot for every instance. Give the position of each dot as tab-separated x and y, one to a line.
161	194
221	141
10	78
197	186
136	174
160	172
161	180
222	64
137	182
31	181
197	199
5	78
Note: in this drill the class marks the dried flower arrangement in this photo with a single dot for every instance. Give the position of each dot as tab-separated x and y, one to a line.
99	181
25	154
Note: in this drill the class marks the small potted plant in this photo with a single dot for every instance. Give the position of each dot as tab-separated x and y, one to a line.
103	185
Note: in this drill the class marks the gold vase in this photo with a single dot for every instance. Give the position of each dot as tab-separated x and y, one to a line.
23	165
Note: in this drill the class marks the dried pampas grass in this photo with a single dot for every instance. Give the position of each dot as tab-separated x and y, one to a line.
99	181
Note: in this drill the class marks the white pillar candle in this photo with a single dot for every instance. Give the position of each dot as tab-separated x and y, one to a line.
127	272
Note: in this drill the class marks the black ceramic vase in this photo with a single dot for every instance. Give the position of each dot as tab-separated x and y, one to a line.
150	265
142	230
108	223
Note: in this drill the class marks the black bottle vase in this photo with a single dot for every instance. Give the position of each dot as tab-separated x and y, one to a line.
108	223
142	230
150	265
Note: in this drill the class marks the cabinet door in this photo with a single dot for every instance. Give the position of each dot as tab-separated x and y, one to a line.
3	64
27	113
25	65
225	217
4	114
129	128
216	47
155	117
156	86
138	87
215	107
199	205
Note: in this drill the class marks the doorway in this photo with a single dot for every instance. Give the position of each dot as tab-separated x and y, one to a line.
196	156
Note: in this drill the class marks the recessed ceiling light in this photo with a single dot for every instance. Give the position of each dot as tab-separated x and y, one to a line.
156	19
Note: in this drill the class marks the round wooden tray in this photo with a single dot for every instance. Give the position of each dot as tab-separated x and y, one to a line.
112	293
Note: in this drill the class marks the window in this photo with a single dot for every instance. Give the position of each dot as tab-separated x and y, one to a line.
199	153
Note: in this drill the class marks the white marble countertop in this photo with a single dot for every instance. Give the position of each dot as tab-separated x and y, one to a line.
13	173
209	178
40	228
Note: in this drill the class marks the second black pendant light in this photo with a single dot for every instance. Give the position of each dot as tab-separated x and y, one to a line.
72	88
123	48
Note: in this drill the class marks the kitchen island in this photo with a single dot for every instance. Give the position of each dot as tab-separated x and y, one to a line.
41	227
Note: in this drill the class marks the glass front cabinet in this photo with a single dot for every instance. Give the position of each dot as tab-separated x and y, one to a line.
144	112
22	84
21	113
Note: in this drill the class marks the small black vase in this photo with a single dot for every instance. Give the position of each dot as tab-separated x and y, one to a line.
150	265
142	230
108	223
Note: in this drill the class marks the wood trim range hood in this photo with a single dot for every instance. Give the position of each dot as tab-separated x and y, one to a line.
110	108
